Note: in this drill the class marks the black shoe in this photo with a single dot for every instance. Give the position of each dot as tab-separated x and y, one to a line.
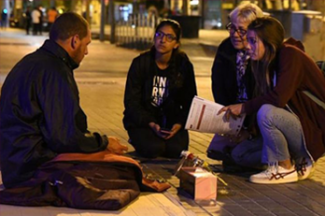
218	155
229	166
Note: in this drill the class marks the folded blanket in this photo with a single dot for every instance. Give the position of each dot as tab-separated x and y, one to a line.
99	180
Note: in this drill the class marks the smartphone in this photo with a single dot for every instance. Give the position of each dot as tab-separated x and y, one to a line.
164	130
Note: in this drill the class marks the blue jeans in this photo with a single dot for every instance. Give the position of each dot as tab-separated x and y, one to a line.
248	153
282	134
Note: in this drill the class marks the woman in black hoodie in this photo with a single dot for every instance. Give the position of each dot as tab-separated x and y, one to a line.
158	94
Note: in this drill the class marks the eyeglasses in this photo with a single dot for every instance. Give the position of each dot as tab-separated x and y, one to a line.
169	37
232	29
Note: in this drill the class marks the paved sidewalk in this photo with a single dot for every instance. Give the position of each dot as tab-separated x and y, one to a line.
101	80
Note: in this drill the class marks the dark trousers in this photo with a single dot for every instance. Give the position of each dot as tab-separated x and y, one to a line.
3	23
37	29
27	27
49	26
149	145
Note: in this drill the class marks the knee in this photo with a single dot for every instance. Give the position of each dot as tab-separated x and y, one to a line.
174	149
175	153
265	114
236	156
220	143
246	158
151	151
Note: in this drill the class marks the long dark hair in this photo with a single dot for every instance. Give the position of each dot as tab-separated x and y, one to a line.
271	32
174	62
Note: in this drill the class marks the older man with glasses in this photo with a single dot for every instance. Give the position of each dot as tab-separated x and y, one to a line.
233	82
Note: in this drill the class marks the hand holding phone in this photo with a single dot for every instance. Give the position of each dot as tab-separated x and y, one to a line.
165	131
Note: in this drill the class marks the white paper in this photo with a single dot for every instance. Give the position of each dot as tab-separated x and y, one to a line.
203	118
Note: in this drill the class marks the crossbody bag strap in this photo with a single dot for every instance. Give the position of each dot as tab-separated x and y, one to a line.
315	99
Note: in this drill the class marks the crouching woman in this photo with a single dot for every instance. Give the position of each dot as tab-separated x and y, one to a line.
290	91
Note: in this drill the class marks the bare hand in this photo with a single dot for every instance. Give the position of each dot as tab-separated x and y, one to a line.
233	111
173	131
156	128
165	134
115	146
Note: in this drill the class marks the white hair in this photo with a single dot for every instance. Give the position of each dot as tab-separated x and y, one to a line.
246	12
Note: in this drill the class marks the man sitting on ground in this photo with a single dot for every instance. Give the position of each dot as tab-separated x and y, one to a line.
40	114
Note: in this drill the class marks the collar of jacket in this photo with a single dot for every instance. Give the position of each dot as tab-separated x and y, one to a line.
57	50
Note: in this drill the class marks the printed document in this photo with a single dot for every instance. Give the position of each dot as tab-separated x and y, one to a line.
203	117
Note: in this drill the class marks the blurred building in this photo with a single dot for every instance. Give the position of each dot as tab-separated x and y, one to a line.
213	13
302	19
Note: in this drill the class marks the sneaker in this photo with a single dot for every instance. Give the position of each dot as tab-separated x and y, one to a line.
275	174
305	168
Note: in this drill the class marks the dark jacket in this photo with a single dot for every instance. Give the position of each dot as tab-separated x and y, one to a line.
138	92
295	73
224	75
40	115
